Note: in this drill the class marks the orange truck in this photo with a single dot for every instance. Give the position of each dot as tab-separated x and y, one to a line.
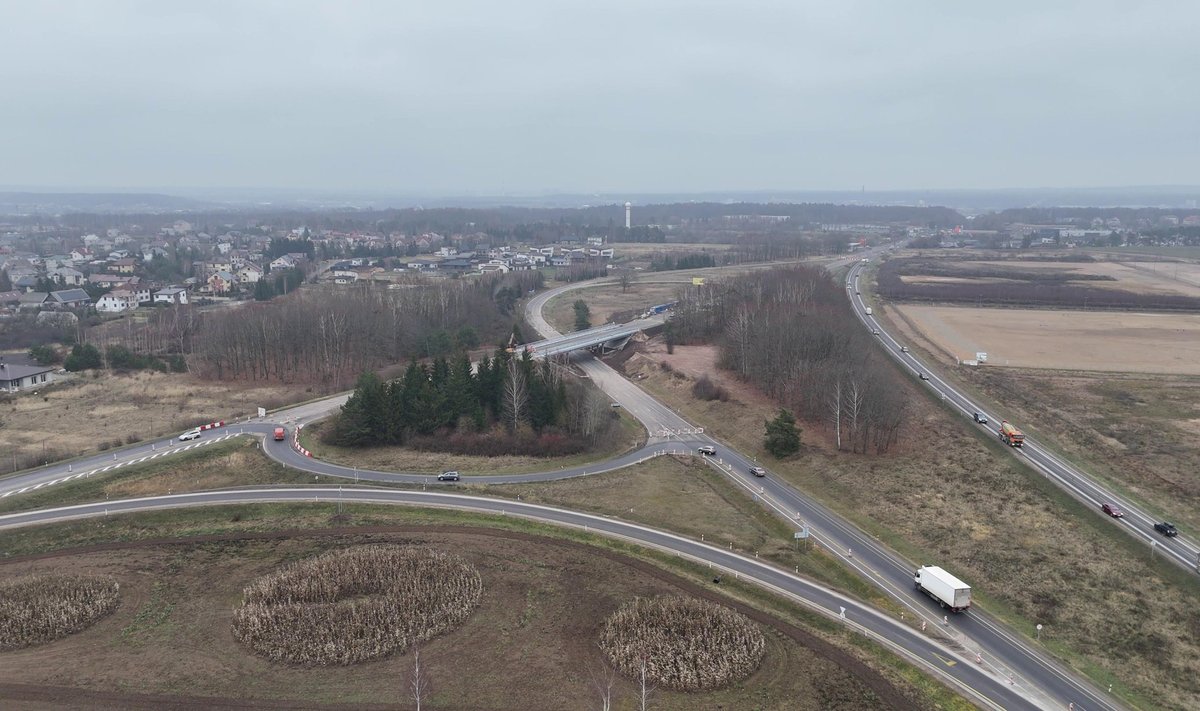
280	434
1011	435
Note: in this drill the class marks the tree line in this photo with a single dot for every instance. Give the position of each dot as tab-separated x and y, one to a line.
791	333
504	404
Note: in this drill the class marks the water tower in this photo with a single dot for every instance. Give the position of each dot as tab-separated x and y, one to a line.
628	214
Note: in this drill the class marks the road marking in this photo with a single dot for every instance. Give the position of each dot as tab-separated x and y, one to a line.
943	660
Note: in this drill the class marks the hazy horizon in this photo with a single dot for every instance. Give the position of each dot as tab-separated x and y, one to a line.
540	98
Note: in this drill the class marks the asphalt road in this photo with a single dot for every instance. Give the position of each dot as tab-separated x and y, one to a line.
1000	653
940	658
1181	550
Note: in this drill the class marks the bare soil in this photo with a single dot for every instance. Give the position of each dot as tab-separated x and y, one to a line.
85	412
529	645
1032	554
1167	343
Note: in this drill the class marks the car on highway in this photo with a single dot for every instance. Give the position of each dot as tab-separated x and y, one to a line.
1167	529
448	476
874	331
758	471
190	434
922	376
979	417
1112	510
707	450
904	349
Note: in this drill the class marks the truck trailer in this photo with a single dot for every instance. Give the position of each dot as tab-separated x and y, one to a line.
1012	436
945	589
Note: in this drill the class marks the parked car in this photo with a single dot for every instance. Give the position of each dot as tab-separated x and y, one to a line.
190	434
758	471
1167	529
980	418
707	449
448	476
1112	510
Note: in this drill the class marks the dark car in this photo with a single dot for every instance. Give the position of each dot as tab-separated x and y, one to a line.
758	471
981	418
922	376
1167	529
448	476
1112	510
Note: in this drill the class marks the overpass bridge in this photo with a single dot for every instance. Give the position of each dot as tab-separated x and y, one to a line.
609	337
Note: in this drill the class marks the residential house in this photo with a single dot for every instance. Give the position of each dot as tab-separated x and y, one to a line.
125	265
32	300
81	255
69	299
9	298
249	274
221	282
149	254
112	281
144	294
67	276
283	263
344	276
494	266
116	301
117	254
171	295
455	266
25	282
23	377
218	264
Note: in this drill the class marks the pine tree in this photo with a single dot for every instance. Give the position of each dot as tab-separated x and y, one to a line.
782	437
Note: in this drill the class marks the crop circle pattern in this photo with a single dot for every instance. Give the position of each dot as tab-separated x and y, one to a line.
687	644
356	604
41	608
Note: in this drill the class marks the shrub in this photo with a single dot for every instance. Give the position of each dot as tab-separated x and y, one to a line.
706	389
352	605
38	609
686	644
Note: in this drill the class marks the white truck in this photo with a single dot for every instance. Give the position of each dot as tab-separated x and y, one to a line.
947	590
867	311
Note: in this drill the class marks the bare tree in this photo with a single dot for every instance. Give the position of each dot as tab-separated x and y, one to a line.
645	688
516	395
740	332
603	681
418	683
627	278
834	402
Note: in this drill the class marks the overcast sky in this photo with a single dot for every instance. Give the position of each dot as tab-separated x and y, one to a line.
533	96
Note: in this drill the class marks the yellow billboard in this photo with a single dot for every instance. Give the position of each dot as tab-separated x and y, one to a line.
697	281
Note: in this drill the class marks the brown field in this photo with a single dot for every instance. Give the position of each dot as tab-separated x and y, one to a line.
604	301
1062	340
1032	554
1181	278
79	415
530	644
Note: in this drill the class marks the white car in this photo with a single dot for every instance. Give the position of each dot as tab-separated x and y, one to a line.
190	434
707	449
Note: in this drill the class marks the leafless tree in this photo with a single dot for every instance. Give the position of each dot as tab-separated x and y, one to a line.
418	683
626	280
516	395
645	688
603	681
834	402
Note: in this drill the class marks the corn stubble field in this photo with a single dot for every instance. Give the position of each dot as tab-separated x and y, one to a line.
352	605
39	609
684	643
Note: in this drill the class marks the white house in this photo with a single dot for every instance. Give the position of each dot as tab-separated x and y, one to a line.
67	276
494	266
171	295
23	377
249	274
282	263
116	301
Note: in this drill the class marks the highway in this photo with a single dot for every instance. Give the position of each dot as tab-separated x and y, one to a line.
1181	550
935	656
1003	655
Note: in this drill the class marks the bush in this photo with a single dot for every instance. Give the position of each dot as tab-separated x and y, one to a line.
352	605
45	355
686	644
83	357
706	389
37	609
782	437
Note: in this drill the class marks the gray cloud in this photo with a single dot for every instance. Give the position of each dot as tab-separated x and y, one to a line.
552	95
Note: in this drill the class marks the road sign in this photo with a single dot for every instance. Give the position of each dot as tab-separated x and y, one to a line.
262	412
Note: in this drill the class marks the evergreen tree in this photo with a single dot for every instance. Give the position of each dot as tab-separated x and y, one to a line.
782	437
361	421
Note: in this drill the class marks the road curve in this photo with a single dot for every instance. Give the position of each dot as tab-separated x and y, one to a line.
932	655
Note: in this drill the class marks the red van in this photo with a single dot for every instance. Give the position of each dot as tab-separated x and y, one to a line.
280	434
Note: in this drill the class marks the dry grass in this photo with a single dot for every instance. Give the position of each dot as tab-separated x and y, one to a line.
684	643
1032	554
604	301
85	413
1064	340
353	605
38	609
